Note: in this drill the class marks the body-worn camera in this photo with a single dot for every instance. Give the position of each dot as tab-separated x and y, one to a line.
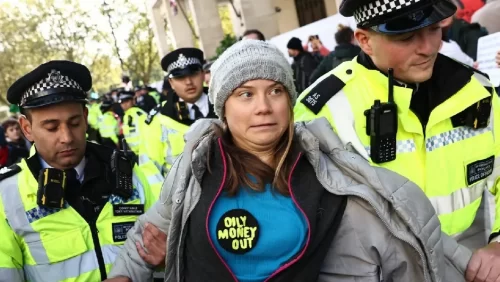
51	187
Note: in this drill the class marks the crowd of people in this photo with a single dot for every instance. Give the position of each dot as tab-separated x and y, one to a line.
376	161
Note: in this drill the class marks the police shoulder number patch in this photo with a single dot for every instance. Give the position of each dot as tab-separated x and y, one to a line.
7	172
322	93
479	170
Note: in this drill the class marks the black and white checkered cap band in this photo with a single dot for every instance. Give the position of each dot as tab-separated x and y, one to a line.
53	80
183	62
380	8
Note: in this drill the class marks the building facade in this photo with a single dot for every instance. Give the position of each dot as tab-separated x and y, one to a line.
271	17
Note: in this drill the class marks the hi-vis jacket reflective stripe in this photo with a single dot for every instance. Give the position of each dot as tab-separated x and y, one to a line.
158	151
108	126
133	122
42	244
440	160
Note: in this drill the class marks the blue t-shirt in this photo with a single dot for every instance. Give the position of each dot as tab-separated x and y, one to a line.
256	232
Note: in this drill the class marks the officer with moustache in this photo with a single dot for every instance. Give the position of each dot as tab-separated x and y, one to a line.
168	122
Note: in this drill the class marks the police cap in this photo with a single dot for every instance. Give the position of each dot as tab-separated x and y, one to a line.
397	16
125	95
51	83
182	62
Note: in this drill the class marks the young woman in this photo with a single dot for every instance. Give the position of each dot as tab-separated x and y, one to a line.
257	198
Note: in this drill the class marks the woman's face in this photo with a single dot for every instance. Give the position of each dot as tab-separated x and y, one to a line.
258	114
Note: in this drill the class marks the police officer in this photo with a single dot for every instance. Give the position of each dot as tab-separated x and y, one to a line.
94	116
143	99
168	122
64	211
133	121
403	106
109	124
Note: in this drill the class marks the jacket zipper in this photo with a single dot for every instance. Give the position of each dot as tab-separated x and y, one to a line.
293	261
210	210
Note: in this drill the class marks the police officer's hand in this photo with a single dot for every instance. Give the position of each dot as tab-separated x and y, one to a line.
484	264
155	245
118	279
497	58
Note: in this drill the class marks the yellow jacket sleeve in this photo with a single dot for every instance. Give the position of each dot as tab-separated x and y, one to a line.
11	256
493	180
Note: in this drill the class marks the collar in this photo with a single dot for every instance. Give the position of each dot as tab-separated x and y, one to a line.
202	101
79	168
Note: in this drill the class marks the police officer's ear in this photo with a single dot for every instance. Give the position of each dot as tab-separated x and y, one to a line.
365	39
25	123
86	115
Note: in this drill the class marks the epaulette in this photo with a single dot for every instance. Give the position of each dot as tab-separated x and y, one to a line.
322	93
153	113
7	172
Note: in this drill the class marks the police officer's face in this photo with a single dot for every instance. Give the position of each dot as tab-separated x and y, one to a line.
411	55
189	87
258	113
58	132
127	104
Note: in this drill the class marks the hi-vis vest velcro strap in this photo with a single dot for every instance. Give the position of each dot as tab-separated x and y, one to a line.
322	93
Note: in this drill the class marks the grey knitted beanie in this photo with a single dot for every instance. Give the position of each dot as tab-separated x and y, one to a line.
244	61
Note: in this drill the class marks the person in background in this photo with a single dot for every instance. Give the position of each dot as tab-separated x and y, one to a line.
451	48
93	118
117	109
153	92
256	197
318	49
303	63
169	121
4	149
109	125
133	120
253	34
143	99
467	8
488	16
19	147
126	82
166	88
345	50
465	34
206	70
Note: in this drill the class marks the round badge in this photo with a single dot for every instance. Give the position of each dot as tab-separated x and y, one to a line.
238	231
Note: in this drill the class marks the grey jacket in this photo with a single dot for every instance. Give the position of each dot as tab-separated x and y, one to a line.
389	229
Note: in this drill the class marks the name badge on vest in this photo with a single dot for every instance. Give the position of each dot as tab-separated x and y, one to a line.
238	231
124	210
120	230
479	170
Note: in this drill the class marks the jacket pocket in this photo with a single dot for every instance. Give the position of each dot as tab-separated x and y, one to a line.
56	248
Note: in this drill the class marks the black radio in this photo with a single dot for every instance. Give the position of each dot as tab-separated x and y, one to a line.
382	126
51	187
122	168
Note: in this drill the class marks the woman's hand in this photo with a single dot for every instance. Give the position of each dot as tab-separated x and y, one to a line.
155	245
